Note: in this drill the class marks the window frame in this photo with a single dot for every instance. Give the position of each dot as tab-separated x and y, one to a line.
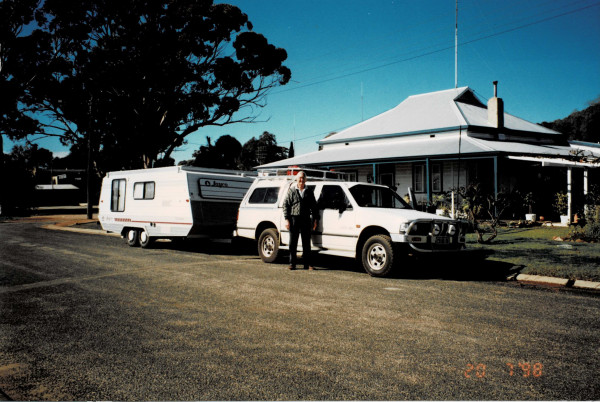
144	195
117	198
440	178
266	198
419	172
324	204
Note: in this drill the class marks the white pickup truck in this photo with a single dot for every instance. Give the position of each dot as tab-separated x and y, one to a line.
365	221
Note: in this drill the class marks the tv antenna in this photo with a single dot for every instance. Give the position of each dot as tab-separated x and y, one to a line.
456	47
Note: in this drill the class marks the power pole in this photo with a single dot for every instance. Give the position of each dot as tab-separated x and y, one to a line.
89	162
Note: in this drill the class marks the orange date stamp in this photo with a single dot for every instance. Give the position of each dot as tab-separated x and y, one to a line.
523	369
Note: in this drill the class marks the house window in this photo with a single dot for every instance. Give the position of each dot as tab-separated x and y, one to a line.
436	178
419	178
143	191
351	176
117	199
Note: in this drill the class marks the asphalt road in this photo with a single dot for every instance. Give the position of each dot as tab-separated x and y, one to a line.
84	317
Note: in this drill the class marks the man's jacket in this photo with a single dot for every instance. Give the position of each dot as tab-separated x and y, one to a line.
296	205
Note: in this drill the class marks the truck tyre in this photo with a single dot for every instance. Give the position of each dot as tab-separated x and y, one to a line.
145	239
378	255
268	245
132	237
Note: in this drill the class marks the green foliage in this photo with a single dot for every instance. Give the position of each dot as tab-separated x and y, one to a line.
133	77
260	151
225	154
593	195
534	251
228	153
580	125
561	203
588	233
17	195
592	231
14	78
484	209
529	200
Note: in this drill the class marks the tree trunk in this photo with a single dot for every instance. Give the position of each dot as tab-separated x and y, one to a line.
481	239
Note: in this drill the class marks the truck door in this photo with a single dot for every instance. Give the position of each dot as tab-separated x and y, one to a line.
337	225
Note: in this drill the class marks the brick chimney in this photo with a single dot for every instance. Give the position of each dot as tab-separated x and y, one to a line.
495	108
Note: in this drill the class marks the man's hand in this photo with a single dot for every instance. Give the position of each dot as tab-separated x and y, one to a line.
315	223
287	224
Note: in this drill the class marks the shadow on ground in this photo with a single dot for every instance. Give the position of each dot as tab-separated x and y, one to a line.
456	267
473	265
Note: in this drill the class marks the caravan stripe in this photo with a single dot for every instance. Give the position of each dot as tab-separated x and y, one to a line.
168	223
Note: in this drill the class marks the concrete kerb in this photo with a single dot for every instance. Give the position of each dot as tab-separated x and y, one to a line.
552	281
69	223
81	230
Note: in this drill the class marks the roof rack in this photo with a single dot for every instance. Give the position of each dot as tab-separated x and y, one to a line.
292	171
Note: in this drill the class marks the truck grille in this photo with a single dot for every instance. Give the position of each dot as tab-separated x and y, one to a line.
442	240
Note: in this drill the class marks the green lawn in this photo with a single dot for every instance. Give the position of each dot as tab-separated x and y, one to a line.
532	251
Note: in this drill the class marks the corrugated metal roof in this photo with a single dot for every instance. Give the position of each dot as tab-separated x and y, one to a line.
518	148
431	112
478	116
417	148
411	116
406	133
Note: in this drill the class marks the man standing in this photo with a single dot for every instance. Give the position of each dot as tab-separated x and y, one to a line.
298	206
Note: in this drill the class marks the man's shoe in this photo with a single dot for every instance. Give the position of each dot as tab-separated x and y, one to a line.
291	267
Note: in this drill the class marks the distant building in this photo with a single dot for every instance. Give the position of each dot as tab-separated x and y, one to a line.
59	187
439	141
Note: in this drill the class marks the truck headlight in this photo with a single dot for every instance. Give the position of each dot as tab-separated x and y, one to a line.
436	229
451	230
404	228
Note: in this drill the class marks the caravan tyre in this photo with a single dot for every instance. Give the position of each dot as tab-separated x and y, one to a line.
132	237
268	245
145	239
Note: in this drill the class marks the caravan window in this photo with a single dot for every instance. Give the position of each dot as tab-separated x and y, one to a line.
143	191
117	199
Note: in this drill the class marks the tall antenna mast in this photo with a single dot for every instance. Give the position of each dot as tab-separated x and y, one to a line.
362	107
456	47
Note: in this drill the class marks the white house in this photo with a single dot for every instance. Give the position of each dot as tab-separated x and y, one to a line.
438	141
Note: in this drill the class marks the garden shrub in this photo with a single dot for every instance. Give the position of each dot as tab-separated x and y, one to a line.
591	231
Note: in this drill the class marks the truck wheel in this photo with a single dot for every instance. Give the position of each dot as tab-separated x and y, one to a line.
145	239
132	237
268	245
378	255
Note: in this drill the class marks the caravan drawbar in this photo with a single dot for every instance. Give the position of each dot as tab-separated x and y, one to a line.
172	203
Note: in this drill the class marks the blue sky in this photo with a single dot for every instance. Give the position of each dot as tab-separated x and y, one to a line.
352	60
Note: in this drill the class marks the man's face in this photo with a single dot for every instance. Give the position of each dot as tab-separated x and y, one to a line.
301	181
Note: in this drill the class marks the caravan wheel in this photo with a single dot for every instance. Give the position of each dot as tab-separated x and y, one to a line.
132	237
145	239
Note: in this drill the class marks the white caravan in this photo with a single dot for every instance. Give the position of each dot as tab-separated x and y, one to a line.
172	202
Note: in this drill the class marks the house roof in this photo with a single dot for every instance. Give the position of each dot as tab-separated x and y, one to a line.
417	148
432	125
431	113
